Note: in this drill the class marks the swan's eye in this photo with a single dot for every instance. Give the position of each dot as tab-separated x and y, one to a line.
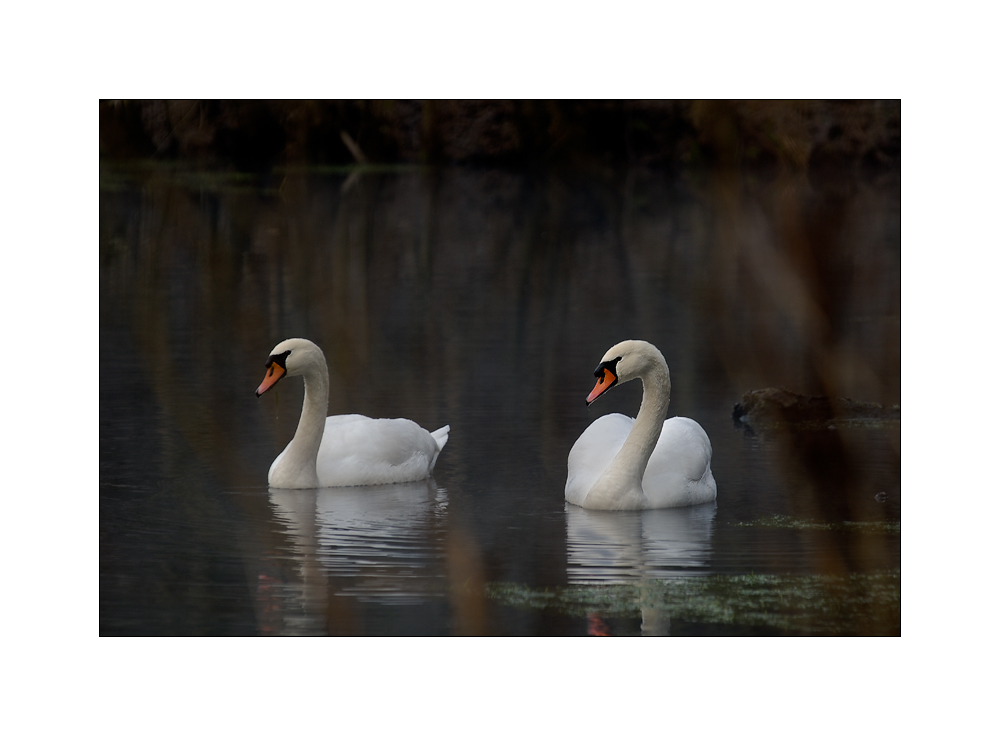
279	359
606	370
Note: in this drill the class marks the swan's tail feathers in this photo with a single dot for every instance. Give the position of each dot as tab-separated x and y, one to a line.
441	436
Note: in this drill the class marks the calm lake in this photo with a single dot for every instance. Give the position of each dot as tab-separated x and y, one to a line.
484	299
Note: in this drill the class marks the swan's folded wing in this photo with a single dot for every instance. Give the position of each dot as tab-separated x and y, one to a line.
337	420
680	465
357	450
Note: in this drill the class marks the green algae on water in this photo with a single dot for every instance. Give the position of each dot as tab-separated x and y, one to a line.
787	522
855	604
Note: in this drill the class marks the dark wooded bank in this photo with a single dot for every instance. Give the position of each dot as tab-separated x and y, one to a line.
806	136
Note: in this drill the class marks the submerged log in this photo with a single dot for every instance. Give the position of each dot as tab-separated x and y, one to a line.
778	407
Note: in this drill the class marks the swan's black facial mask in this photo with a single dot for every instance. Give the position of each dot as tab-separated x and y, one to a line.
607	376
279	359
275	371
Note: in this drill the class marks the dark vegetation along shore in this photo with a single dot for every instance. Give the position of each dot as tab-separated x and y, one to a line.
818	138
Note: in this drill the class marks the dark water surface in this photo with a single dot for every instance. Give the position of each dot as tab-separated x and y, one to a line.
483	299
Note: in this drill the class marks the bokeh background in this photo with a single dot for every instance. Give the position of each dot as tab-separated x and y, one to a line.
468	263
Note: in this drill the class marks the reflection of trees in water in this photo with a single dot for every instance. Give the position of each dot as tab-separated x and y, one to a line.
805	294
488	295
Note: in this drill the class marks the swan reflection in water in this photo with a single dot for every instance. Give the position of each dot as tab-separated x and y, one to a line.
358	544
605	547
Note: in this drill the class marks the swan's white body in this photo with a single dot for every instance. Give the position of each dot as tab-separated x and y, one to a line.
650	462
347	449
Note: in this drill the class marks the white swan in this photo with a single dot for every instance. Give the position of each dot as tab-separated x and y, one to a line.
622	464
344	450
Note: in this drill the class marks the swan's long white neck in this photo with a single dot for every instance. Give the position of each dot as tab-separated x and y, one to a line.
645	432
622	481
296	466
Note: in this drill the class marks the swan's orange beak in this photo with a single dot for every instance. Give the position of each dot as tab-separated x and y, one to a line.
606	381
274	374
